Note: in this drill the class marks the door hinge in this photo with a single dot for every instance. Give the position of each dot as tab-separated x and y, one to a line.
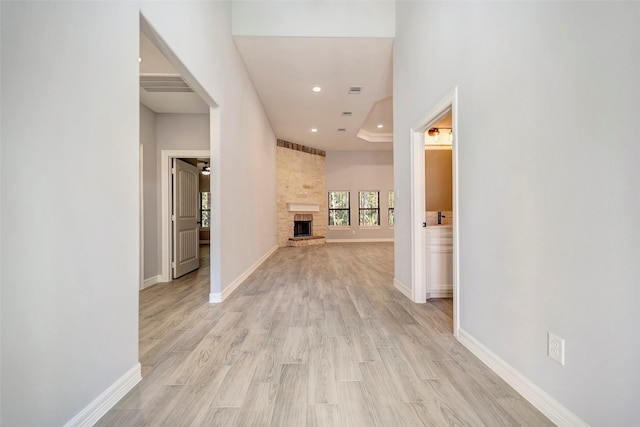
173	218
173	171
173	264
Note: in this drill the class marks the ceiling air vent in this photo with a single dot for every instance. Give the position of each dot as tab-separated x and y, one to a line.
168	83
342	130
346	114
354	90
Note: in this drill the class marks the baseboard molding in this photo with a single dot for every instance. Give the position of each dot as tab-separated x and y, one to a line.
546	404
445	291
151	281
219	297
406	291
103	403
385	239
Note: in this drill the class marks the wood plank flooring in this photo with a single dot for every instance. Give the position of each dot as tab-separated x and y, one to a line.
317	336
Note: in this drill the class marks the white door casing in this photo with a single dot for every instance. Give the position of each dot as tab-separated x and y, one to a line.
185	218
448	103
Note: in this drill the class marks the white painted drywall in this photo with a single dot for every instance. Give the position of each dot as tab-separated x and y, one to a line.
356	171
243	165
549	106
151	185
70	205
314	18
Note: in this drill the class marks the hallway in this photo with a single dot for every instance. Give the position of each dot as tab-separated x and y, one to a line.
316	336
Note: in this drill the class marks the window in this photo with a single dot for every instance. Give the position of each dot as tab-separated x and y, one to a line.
369	208
205	209
391	207
339	213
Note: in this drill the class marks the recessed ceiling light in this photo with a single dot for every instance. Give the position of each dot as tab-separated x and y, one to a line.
316	89
380	126
314	130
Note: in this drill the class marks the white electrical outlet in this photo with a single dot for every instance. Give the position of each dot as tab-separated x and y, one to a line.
555	348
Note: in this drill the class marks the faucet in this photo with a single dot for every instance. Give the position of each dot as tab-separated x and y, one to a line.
440	216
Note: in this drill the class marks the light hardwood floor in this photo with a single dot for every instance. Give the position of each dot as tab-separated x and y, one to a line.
317	336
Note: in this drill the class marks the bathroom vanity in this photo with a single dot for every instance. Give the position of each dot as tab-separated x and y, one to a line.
439	252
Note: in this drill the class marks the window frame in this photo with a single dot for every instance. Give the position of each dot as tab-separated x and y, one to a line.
330	209
391	208
201	210
361	209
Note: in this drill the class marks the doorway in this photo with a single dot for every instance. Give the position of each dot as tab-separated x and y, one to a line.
447	105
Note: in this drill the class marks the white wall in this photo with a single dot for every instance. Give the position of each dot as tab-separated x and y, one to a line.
243	150
551	242
356	171
151	182
70	259
314	18
70	251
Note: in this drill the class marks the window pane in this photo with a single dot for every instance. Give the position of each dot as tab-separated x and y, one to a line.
391	200
339	217
368	199
205	200
391	214
369	217
205	219
338	200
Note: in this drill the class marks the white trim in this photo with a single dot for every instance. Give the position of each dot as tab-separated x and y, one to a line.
381	239
103	403
447	104
216	297
546	404
151	281
374	137
406	291
443	291
165	178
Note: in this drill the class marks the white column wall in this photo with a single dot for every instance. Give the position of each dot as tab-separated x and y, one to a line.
549	101
70	205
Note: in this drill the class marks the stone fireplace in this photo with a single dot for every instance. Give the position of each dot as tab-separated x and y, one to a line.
302	196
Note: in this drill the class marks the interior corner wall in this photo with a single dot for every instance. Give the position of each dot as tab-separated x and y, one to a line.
243	179
356	171
548	222
150	184
70	232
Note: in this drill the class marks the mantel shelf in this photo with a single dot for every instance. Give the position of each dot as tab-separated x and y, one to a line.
303	207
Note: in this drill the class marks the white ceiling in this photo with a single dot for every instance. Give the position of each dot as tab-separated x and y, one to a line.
285	69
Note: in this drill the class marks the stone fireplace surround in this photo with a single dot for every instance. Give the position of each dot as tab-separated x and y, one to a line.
301	191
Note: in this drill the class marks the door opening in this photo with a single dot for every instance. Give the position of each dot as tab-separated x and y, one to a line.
447	105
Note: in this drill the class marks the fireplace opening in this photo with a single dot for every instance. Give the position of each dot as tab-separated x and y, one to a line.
302	225
301	228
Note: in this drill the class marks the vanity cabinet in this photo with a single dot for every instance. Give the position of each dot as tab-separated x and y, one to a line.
439	252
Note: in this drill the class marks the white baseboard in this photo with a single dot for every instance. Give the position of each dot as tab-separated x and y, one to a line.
151	281
546	404
103	403
221	296
385	239
402	288
445	291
